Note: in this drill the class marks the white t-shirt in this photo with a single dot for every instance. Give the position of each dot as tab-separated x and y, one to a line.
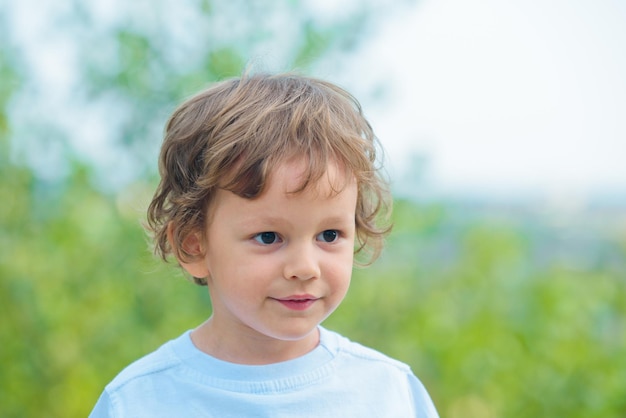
339	378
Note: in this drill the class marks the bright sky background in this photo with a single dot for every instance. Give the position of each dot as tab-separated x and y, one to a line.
504	97
498	97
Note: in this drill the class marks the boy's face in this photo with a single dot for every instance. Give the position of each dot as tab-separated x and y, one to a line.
278	265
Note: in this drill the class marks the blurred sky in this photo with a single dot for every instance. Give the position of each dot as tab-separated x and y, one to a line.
490	97
505	97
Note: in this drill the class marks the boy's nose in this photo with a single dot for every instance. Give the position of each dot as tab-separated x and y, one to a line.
301	263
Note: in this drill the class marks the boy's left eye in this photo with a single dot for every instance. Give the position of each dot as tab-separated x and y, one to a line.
330	235
267	238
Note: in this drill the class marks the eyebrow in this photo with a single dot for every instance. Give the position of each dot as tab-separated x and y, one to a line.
265	220
273	221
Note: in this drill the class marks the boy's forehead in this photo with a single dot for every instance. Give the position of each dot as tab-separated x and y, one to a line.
290	175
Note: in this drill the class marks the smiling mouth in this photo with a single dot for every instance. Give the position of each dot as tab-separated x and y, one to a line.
298	303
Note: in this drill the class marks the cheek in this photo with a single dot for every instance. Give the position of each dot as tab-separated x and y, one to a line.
339	284
341	270
243	274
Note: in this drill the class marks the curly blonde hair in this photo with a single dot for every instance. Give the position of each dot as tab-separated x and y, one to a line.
231	135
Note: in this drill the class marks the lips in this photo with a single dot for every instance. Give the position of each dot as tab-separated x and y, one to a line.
298	302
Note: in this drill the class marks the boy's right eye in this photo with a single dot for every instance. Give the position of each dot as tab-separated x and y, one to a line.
266	238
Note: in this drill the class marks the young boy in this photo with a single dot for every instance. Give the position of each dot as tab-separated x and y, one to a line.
268	189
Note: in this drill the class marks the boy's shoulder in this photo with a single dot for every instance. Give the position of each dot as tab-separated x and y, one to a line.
355	352
158	361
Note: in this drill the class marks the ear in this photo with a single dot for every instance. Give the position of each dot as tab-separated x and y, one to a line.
192	245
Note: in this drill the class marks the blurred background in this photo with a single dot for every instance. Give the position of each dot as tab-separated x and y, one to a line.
503	284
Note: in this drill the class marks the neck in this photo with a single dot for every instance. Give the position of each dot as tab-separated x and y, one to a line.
246	346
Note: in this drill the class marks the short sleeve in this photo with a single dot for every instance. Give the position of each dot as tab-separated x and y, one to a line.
424	407
102	408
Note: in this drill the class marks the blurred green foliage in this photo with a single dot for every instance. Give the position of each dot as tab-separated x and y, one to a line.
490	327
502	312
494	322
